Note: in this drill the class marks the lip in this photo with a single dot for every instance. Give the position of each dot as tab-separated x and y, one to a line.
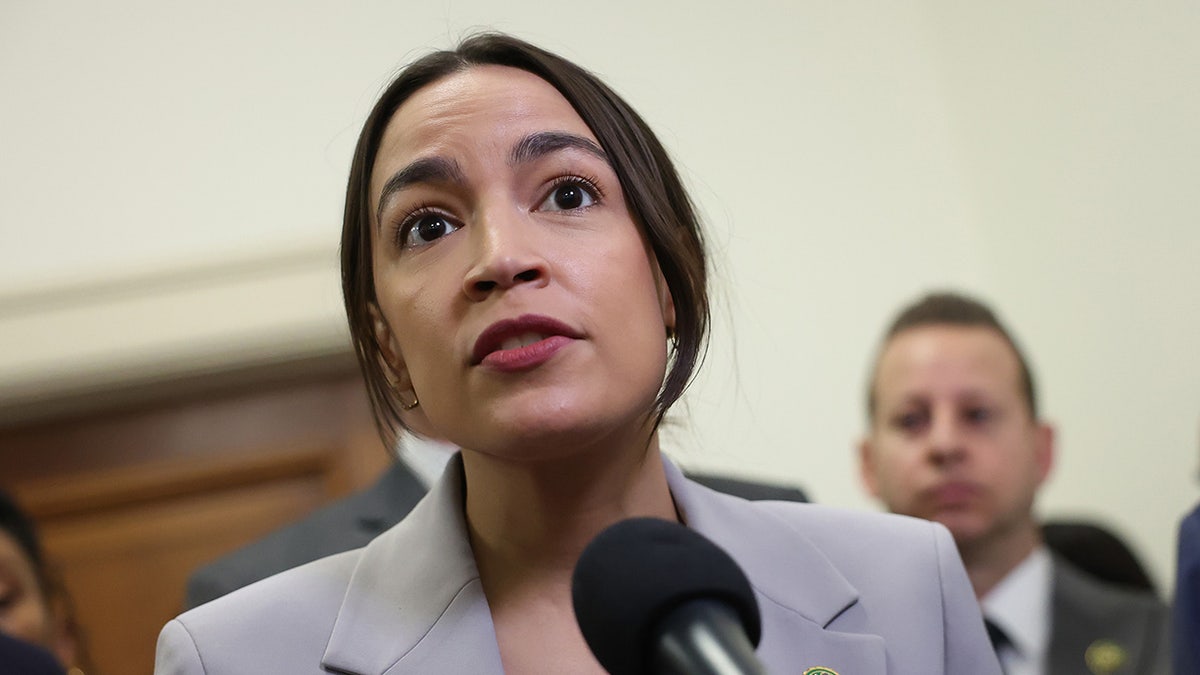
955	493
489	350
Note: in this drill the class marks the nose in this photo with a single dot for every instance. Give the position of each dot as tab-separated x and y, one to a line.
507	255
947	444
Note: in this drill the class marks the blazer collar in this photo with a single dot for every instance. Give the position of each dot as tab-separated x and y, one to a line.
406	582
415	596
788	570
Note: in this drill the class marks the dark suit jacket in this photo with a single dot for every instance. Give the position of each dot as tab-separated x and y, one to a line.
346	524
354	521
18	657
749	490
1115	623
1186	634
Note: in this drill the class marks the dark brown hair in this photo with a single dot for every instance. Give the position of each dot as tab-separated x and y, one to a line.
20	527
953	309
653	191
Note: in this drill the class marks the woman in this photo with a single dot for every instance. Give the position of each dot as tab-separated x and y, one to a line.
37	632
525	277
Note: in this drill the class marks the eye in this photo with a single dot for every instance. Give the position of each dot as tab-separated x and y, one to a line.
569	194
978	414
423	228
909	421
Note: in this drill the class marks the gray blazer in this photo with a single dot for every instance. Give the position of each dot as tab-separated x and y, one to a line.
1087	612
352	522
857	593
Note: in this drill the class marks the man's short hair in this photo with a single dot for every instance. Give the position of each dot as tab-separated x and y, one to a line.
952	309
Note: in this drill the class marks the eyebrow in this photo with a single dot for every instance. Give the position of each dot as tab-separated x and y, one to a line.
538	145
425	170
443	170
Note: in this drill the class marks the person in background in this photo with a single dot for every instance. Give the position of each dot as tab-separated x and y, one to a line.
1186	612
346	524
38	627
525	276
18	657
955	437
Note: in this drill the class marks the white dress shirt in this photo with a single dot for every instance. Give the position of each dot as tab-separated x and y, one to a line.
1020	606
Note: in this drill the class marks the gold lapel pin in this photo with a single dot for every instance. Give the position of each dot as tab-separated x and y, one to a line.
1104	657
818	670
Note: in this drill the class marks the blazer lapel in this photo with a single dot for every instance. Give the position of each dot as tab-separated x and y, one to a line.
430	616
802	596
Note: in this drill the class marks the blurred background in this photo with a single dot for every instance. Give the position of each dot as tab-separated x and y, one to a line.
175	377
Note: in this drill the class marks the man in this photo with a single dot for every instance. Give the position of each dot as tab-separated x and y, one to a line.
354	521
955	437
1186	619
346	524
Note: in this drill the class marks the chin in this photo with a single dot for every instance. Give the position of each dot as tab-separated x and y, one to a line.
540	437
966	528
589	413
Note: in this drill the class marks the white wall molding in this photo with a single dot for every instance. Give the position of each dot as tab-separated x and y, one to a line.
67	340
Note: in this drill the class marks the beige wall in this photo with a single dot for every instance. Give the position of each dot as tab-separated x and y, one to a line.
171	176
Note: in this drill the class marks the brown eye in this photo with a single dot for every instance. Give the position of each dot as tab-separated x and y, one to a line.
568	196
909	421
426	229
978	415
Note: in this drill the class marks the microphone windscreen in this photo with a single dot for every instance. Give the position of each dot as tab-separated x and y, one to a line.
638	570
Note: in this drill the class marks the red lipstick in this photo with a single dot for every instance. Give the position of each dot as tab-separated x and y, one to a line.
521	343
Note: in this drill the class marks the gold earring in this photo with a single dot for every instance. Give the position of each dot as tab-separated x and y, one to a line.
409	406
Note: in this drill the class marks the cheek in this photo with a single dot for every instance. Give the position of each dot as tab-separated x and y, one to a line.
898	469
415	314
26	619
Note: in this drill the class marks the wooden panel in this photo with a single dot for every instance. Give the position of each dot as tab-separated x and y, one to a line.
125	568
130	501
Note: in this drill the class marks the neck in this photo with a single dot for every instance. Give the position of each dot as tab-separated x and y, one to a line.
989	560
529	521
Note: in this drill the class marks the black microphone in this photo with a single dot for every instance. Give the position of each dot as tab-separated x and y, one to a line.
655	598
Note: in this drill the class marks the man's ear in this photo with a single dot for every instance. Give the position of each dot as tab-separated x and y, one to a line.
1044	447
866	466
389	351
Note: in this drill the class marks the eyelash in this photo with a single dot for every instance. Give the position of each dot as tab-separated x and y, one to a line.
409	218
591	183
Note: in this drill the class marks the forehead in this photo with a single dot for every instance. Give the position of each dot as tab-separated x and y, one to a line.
481	109
949	360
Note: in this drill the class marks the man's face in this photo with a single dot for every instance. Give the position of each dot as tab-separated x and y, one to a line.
952	439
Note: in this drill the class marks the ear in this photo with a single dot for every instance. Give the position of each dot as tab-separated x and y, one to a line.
389	350
65	646
64	638
665	301
1043	440
668	308
866	466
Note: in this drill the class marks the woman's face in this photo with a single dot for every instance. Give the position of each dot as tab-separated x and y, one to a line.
516	296
24	612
